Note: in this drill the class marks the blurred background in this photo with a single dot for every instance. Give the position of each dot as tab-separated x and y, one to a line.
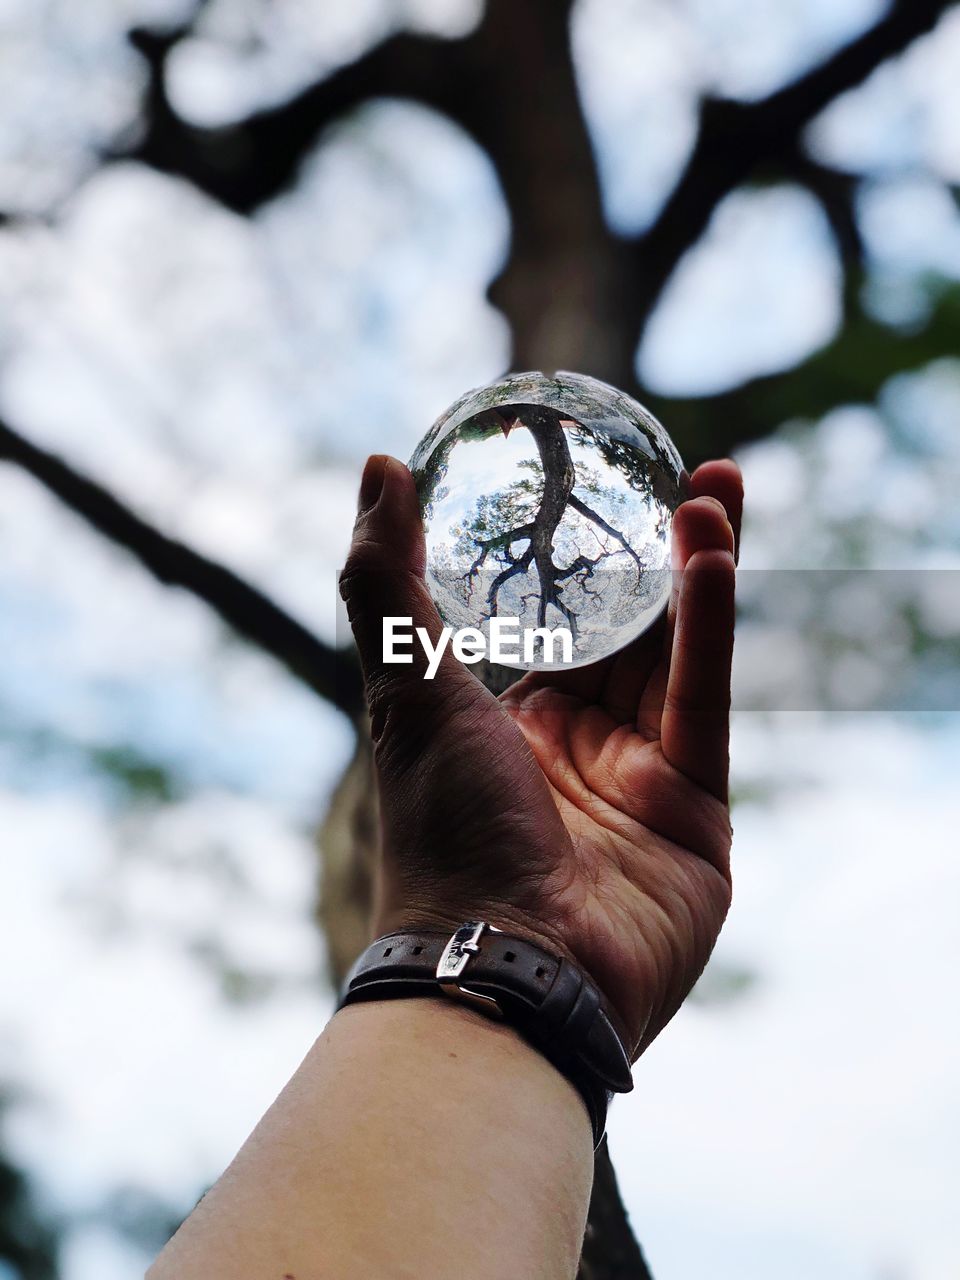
246	242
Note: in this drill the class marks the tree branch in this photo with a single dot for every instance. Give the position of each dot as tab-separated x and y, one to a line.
597	519
560	315
851	369
247	163
329	672
503	577
736	138
836	194
503	540
511	85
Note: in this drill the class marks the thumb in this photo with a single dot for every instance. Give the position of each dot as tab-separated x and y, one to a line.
383	584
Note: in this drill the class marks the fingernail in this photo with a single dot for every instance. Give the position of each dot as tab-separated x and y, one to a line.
371	483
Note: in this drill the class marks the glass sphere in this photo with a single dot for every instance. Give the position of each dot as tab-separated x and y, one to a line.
549	500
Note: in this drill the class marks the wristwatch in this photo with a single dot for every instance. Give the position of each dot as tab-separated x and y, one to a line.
544	997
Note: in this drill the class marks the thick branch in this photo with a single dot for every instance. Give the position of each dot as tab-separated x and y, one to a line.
575	295
331	673
511	85
736	138
502	540
249	162
565	283
503	577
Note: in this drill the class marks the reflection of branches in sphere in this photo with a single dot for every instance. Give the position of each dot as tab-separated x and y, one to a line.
554	507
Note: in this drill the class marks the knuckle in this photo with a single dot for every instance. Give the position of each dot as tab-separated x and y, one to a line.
706	712
365	561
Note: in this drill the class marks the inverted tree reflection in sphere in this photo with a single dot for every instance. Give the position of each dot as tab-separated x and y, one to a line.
550	499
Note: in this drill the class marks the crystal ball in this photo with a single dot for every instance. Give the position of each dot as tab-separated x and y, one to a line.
549	501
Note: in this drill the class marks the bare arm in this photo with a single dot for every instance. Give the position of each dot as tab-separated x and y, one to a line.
417	1139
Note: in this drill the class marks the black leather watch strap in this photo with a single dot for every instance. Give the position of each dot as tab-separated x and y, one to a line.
547	999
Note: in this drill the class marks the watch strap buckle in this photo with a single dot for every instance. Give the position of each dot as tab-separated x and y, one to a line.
462	946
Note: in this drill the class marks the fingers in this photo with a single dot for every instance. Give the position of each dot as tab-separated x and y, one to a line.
631	685
702	522
721	479
388	515
694	730
384	578
694	704
699	524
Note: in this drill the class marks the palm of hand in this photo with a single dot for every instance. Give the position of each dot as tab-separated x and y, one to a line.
638	889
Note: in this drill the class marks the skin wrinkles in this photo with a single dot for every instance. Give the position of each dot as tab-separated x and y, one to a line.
590	784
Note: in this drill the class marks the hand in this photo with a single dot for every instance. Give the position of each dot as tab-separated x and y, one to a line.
585	809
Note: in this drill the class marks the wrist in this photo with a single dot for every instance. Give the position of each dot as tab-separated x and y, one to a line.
544	995
396	918
483	1048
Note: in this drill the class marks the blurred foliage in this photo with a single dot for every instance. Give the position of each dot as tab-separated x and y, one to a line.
138	779
723	983
852	369
130	776
29	1235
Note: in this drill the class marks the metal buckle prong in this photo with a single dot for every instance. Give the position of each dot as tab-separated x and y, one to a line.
458	952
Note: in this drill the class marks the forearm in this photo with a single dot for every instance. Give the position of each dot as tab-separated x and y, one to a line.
416	1139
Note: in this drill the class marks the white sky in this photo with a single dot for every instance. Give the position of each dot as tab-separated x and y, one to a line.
811	1129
